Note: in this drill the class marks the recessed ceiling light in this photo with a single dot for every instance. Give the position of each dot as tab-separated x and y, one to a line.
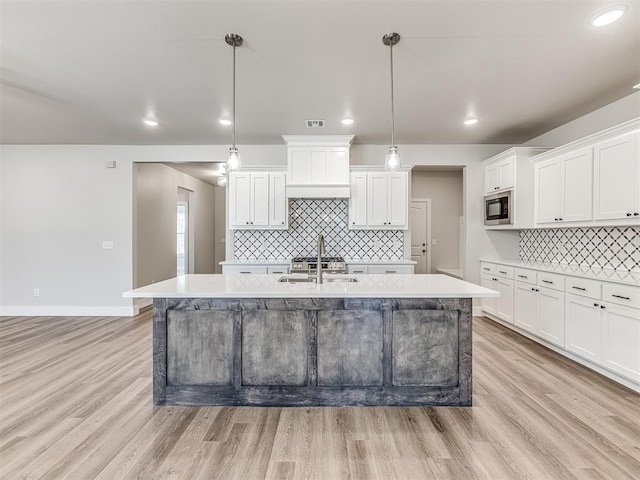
347	121
150	122
608	15
637	86
471	121
224	121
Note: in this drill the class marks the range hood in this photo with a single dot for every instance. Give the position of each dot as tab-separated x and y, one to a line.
318	166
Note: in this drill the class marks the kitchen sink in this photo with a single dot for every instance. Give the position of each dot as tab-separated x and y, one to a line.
292	279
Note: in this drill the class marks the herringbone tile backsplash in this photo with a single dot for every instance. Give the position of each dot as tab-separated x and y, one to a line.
615	248
308	218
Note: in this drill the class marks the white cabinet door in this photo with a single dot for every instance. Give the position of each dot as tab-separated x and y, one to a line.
239	199
318	165
550	322
397	208
488	304
583	327
499	175
259	199
577	182
299	165
621	340
278	205
390	269
505	300
506	171
617	178
337	162
358	201
377	199
246	269
548	195
491	178
526	307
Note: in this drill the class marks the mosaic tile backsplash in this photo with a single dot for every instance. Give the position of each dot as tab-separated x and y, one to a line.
308	218
615	248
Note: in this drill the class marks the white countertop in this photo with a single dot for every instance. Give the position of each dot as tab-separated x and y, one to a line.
267	286
617	276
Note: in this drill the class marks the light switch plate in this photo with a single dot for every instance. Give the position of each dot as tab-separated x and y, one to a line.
107	244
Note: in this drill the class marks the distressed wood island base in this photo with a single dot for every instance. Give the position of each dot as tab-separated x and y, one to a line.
312	351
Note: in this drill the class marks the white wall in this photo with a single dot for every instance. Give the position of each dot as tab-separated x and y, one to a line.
155	196
445	189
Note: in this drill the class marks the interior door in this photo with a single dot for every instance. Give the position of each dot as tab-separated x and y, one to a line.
420	225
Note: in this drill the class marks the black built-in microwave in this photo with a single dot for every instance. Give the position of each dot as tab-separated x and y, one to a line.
498	208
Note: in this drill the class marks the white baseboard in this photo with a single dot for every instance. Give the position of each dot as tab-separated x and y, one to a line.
67	311
141	303
477	311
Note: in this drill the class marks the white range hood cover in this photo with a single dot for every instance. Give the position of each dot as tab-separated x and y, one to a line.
318	166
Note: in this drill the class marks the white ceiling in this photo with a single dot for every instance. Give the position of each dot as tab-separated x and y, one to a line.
86	72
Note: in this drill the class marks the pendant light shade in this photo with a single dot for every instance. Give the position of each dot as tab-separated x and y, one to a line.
392	162
233	159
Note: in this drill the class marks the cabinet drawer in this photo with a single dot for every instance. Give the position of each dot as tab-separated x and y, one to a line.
551	280
243	269
358	269
621	295
282	270
504	271
526	276
390	269
583	287
488	268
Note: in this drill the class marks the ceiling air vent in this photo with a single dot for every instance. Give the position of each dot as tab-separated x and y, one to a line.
314	123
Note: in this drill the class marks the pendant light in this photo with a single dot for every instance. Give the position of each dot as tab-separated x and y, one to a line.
233	159
392	162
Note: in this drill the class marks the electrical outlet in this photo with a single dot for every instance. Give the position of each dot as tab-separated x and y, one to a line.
36	292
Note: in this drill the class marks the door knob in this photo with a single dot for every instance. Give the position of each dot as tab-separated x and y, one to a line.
424	244
424	251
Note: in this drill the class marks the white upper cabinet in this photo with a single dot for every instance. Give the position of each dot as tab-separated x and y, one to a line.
278	212
387	197
358	200
594	181
257	200
617	178
564	188
379	201
499	175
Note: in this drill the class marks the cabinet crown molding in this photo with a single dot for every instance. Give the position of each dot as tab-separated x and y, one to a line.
516	151
588	141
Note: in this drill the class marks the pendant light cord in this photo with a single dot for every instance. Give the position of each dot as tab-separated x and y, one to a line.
233	107
392	103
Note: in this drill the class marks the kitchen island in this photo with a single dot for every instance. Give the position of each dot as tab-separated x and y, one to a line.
253	340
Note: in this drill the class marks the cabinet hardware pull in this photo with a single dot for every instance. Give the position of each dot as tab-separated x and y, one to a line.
523	276
560	219
596	305
556	219
628	214
245	272
537	289
504	273
485	268
547	281
533	289
389	271
620	296
580	288
602	306
636	214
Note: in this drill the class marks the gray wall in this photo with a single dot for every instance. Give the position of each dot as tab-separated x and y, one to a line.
155	196
444	188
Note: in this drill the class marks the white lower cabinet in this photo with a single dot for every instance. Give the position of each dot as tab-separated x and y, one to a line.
550	316
584	327
244	269
540	311
501	307
598	321
621	340
526	307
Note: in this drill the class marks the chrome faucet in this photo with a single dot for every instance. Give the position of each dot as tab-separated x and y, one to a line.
319	263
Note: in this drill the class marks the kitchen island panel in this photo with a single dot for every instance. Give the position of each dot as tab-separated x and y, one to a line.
275	347
200	347
350	347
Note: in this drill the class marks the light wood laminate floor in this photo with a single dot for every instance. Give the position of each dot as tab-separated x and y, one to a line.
75	399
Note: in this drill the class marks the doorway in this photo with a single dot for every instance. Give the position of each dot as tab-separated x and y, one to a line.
420	225
183	233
